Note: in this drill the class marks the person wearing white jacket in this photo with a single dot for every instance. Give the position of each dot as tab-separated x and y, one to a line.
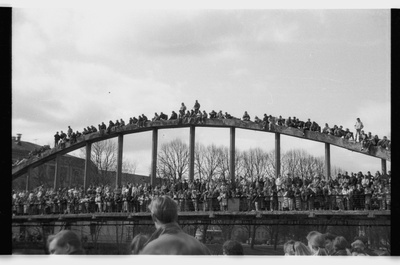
358	126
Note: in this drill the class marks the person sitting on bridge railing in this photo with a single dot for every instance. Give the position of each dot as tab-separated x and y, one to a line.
257	120
174	116
204	116
63	142
307	125
384	143
213	114
156	117
246	116
315	127
85	131
163	116
103	126
117	124
220	115
288	122
144	119
186	117
326	129
375	140
365	141
338	131
280	121
227	115
110	126
348	135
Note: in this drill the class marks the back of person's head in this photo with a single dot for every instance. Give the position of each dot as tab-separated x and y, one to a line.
359	244
316	244
64	238
301	249
340	243
288	248
232	247
138	243
312	234
164	209
363	239
329	236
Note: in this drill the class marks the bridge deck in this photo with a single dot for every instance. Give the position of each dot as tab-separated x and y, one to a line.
373	218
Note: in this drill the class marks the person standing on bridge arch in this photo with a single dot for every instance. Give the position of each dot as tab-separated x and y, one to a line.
182	110
358	126
196	106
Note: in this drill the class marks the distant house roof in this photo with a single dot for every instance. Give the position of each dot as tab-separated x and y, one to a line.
24	146
22	149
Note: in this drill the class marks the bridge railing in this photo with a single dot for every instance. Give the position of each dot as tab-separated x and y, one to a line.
280	203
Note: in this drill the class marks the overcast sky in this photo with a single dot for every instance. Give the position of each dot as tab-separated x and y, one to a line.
81	67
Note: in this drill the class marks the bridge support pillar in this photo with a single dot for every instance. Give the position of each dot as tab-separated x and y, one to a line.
191	148
232	156
119	161
383	165
327	161
28	177
277	155
57	171
154	158
87	164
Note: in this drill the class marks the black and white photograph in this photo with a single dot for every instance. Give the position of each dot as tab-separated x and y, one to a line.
201	131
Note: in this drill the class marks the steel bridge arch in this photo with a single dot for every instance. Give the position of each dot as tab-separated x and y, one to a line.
48	155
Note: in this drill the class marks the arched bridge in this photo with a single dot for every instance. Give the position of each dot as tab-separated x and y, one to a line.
232	124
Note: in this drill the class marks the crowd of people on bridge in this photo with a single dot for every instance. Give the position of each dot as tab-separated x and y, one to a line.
198	116
285	193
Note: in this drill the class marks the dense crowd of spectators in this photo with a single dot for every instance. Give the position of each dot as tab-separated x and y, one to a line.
286	193
328	244
197	116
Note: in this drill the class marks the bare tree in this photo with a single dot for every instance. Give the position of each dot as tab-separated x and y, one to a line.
208	160
255	163
173	160
224	162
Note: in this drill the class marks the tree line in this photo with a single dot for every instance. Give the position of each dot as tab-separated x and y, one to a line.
211	162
